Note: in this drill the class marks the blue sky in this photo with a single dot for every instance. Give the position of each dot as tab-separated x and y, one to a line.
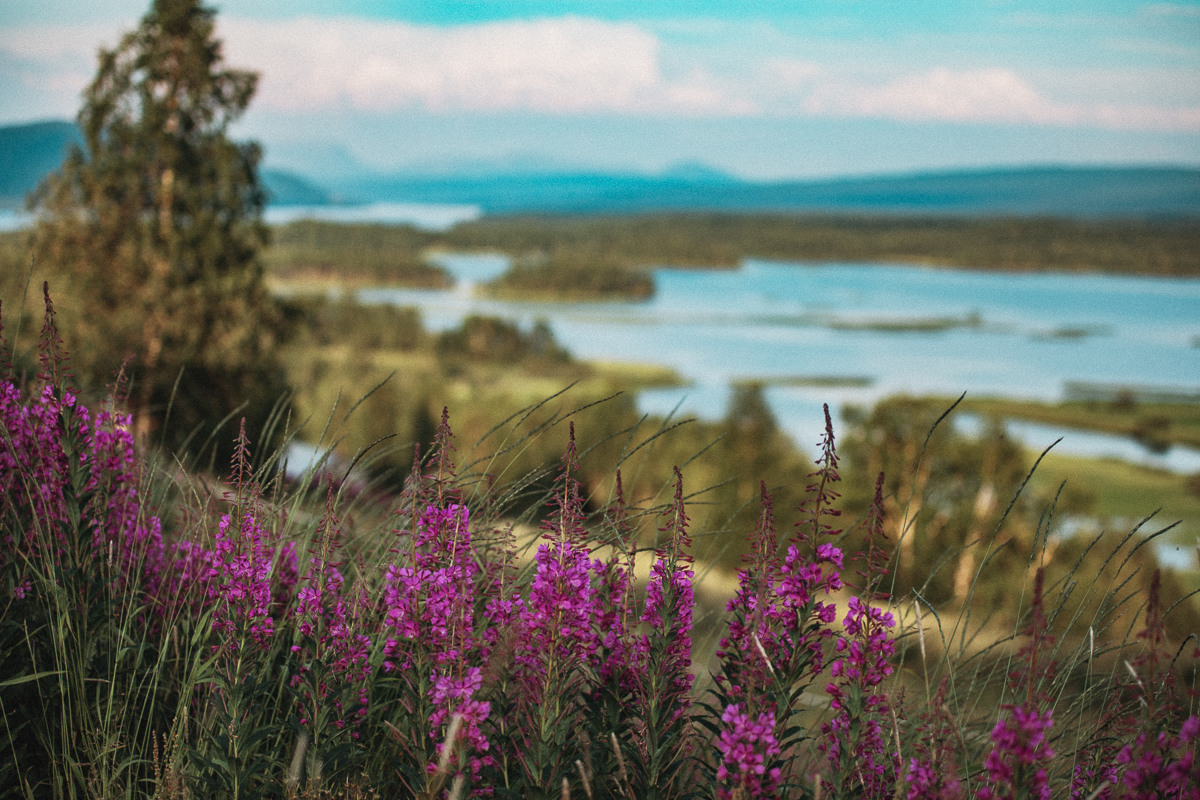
766	89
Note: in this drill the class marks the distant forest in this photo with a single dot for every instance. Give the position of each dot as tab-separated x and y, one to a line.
556	255
711	240
1017	244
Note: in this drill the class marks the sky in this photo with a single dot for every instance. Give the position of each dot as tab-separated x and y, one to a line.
761	89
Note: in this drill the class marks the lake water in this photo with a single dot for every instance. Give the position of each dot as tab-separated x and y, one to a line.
874	329
12	220
430	216
861	332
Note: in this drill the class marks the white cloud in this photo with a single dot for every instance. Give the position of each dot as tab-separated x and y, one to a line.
576	65
562	65
944	95
976	96
790	72
1171	10
55	43
47	67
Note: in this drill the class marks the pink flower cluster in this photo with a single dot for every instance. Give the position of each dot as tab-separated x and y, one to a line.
855	697
430	606
668	610
556	623
240	583
455	696
929	782
745	744
430	599
865	648
1162	765
334	654
33	465
1019	756
53	456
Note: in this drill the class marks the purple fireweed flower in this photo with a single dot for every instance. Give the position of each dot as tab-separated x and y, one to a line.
933	771
1160	765
430	601
557	627
669	607
856	740
455	695
47	444
1016	765
745	746
556	623
613	617
334	657
332	665
927	781
1020	754
240	583
1086	779
792	595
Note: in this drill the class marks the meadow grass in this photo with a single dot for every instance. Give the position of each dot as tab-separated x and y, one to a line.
168	633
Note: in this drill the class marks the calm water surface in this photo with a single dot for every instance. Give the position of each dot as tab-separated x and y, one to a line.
883	329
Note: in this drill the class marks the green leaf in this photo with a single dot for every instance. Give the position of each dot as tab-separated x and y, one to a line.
27	678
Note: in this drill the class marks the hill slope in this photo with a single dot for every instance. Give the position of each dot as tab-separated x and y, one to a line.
1048	191
28	153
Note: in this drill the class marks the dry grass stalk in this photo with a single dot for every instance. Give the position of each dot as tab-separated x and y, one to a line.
624	776
583	776
293	777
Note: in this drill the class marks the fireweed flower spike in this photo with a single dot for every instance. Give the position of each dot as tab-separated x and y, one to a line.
1017	763
858	743
1158	763
669	605
745	746
54	456
240	586
557	640
614	599
331	668
664	698
779	623
932	774
430	609
757	636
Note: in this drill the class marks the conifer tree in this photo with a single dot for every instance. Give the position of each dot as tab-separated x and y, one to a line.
154	230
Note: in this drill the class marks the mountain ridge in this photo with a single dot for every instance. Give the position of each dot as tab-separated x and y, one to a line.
29	152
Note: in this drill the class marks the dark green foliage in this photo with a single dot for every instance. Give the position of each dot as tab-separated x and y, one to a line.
572	275
152	231
716	240
497	341
385	254
321	322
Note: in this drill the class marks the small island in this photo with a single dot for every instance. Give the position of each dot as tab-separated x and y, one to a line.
572	276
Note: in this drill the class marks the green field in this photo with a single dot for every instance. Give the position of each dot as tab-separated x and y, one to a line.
1155	424
1118	493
